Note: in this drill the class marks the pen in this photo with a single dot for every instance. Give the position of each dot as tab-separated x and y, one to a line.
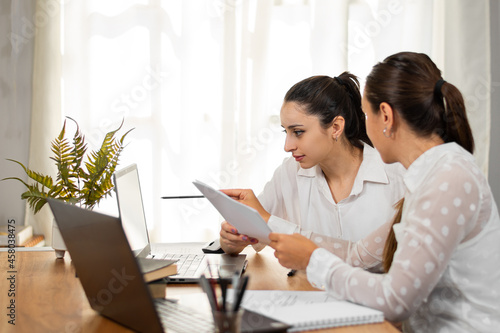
292	272
209	264
208	289
223	288
234	282
241	286
245	265
184	197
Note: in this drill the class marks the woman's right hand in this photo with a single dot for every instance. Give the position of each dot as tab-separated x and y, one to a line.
247	197
233	242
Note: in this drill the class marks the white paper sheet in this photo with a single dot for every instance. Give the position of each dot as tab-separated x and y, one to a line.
246	219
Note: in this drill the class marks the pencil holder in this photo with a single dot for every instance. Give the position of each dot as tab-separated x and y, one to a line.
228	321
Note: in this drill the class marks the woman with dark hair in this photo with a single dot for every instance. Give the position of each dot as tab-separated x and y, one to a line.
442	256
335	187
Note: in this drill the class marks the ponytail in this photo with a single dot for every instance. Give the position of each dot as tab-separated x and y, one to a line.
391	243
457	128
355	127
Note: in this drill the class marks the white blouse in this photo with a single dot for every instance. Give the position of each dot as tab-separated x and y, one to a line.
300	200
445	275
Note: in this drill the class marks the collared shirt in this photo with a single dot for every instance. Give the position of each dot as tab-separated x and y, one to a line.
445	274
300	200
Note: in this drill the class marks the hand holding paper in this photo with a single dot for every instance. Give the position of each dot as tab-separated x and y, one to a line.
248	198
246	219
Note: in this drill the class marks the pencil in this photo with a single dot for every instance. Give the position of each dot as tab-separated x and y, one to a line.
184	197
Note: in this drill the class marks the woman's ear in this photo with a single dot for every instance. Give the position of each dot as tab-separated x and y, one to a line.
338	124
387	114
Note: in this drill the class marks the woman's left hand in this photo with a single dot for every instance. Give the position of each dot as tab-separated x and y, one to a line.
292	251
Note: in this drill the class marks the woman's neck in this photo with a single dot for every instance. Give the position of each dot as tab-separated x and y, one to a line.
414	146
342	163
340	171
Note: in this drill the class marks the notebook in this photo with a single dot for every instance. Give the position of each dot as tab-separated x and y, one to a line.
192	262
114	285
308	310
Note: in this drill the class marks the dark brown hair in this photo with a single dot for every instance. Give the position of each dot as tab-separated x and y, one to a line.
406	81
391	243
327	98
412	85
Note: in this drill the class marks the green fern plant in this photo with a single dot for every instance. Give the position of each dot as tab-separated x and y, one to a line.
81	179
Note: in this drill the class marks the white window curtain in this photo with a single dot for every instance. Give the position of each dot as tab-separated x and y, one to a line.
42	28
202	81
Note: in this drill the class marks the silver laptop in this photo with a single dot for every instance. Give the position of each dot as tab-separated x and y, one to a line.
192	261
114	285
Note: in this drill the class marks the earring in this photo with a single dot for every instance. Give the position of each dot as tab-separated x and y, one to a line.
385	133
336	138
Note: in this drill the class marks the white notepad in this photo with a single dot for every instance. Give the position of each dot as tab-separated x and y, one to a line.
246	219
323	315
308	310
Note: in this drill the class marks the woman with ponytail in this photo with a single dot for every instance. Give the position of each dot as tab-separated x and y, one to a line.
442	256
335	188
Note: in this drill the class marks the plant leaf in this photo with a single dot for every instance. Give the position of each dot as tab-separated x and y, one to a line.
35	198
66	162
101	166
44	180
78	181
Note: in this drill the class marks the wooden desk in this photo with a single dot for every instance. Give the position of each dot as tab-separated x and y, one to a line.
48	297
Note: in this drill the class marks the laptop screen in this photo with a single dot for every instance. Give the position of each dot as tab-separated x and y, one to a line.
128	193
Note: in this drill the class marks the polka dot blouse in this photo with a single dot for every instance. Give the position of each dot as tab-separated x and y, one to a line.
445	275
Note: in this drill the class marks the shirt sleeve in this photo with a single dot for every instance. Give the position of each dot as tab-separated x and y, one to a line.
436	220
366	253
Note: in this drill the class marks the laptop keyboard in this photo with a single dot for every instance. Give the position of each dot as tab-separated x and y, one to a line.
181	319
187	264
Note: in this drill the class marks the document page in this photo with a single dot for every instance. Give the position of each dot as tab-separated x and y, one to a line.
246	219
307	310
263	301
